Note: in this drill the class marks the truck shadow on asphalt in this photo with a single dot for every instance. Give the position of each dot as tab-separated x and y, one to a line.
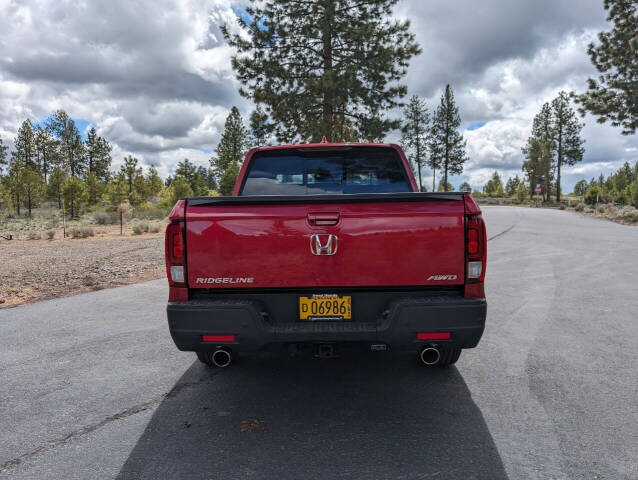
374	416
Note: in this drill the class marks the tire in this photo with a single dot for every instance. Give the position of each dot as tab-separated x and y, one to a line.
204	357
449	356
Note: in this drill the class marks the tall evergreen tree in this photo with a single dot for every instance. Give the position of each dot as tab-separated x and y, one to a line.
130	171
569	145
538	166
24	153
56	183
446	143
259	126
75	195
3	155
316	64
47	151
153	182
414	131
32	187
614	95
71	145
98	155
230	152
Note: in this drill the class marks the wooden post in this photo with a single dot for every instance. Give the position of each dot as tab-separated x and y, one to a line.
121	222
63	220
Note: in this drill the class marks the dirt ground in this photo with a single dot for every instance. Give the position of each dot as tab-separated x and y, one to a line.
33	270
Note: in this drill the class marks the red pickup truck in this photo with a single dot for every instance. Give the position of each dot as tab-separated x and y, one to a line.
326	246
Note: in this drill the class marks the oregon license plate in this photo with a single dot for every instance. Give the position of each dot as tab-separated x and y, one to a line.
325	307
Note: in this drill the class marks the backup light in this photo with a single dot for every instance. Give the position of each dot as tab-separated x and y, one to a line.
177	273
474	269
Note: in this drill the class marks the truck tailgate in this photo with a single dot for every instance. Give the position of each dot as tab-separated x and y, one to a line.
376	243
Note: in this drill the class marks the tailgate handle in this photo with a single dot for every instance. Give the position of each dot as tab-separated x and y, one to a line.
322	219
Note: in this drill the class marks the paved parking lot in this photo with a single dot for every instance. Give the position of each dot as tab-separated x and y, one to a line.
92	386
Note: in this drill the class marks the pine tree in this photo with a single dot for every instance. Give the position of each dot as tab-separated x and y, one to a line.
130	171
569	145
32	187
414	133
230	152
316	64
98	155
512	186
56	183
494	186
465	187
153	182
260	128
614	95
537	167
3	155
75	195
446	143
24	153
47	151
71	145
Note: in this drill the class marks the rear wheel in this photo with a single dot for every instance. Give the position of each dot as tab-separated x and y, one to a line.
204	357
449	356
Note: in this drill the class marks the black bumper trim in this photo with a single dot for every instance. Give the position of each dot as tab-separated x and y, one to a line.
397	327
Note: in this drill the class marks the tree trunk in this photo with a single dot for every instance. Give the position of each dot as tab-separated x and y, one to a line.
327	120
434	179
29	205
558	180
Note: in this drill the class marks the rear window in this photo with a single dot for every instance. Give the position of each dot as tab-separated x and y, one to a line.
352	170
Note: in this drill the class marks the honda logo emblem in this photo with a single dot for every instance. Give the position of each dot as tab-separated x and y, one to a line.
323	244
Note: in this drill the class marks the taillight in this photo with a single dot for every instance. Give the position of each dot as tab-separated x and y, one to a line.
475	248
175	253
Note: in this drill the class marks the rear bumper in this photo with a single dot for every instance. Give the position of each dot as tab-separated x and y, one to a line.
397	326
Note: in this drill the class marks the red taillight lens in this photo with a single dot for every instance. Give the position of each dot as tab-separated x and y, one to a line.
177	246
472	241
433	336
218	338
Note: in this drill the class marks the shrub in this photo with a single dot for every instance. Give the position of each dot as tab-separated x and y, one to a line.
50	234
630	216
104	218
562	206
593	195
612	210
154	228
580	207
140	228
82	232
601	209
34	235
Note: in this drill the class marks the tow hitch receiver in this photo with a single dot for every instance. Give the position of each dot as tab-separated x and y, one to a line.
326	350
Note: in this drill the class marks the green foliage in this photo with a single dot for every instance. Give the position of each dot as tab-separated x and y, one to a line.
118	190
71	146
23	153
445	188
580	188
32	187
47	151
566	130
140	228
633	193
94	188
323	68
446	143
612	96
3	155
50	234
178	188
104	218
56	185
593	195
130	171
75	195
494	186
521	194
512	186
98	155
414	134
153	182
259	126
465	187
230	152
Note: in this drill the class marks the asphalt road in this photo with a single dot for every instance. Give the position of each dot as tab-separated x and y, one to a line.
92	387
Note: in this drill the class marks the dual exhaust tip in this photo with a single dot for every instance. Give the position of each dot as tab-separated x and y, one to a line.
221	357
430	355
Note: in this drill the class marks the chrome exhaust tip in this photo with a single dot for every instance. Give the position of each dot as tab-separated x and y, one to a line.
430	356
221	358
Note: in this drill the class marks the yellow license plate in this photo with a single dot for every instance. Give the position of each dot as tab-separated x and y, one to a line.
325	307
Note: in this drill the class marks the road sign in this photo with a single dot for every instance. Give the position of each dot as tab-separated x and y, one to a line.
537	190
